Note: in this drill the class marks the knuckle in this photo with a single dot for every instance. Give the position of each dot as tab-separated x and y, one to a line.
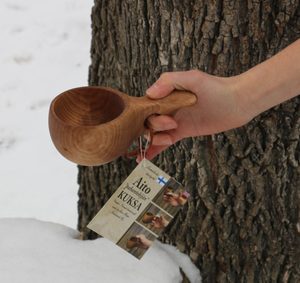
195	72
165	76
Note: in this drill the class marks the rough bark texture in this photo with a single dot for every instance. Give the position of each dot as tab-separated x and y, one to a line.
242	222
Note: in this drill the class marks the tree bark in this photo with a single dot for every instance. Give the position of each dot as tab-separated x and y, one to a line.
242	221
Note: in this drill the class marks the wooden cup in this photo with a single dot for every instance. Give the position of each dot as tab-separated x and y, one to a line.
148	217
132	242
95	125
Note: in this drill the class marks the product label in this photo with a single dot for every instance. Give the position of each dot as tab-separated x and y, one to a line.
140	209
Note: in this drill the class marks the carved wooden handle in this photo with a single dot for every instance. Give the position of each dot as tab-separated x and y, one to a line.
176	100
166	105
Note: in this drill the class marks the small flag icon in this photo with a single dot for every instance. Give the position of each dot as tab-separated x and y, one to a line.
161	180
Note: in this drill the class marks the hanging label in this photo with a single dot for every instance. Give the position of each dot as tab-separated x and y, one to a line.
140	209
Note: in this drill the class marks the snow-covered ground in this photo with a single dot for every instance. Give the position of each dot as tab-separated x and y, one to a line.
57	255
44	50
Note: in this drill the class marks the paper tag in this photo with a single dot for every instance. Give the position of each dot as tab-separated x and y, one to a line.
140	209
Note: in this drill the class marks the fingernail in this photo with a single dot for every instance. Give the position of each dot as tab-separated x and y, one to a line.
166	141
171	125
152	90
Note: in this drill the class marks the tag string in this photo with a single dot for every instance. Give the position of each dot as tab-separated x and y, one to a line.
147	145
140	150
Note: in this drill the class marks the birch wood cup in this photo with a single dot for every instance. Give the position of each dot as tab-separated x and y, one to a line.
95	125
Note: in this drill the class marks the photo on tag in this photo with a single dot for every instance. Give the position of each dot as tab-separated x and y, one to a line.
140	209
136	240
171	197
154	219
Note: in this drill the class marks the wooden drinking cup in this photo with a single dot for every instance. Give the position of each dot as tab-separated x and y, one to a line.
133	242
95	125
148	217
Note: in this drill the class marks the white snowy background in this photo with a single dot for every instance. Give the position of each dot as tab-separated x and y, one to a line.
44	50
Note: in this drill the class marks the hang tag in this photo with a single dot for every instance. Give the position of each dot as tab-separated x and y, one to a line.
140	209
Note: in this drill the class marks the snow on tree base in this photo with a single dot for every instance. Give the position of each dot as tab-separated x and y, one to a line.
32	251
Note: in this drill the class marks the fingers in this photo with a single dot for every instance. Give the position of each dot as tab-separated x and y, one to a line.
140	236
165	126
165	134
164	139
160	89
175	80
161	123
152	152
160	142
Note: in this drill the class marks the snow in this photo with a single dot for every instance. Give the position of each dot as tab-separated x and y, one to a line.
45	50
53	253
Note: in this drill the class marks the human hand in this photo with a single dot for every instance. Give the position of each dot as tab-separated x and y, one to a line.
217	109
171	198
159	222
143	243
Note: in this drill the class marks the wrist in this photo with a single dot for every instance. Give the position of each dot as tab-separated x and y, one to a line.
250	93
269	83
243	107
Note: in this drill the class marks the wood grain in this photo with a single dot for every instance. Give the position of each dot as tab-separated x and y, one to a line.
95	125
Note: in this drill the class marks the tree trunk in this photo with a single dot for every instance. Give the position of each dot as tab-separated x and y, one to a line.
242	221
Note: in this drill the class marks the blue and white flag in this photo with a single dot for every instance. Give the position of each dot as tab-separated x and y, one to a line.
161	180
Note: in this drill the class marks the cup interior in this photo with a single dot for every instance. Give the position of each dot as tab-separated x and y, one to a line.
88	106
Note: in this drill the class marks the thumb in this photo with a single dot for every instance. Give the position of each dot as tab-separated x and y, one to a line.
170	81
